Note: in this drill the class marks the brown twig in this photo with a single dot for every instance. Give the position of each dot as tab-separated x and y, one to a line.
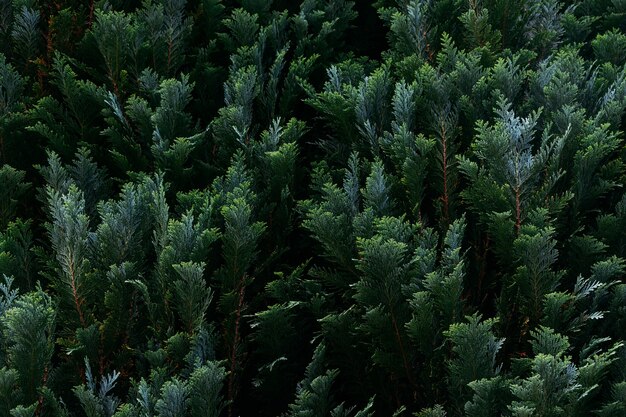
444	151
235	345
518	210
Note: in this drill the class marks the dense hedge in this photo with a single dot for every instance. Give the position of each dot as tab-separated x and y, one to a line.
312	208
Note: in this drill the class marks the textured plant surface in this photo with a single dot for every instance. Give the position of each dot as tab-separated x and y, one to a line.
312	208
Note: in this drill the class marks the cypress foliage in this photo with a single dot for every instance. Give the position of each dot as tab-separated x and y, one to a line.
312	208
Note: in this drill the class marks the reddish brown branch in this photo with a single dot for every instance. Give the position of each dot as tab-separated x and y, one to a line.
235	345
40	399
49	45
405	361
444	151
429	52
170	45
518	210
91	10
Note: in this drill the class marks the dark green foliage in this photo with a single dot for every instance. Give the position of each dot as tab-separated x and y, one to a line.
28	324
13	189
312	208
475	349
